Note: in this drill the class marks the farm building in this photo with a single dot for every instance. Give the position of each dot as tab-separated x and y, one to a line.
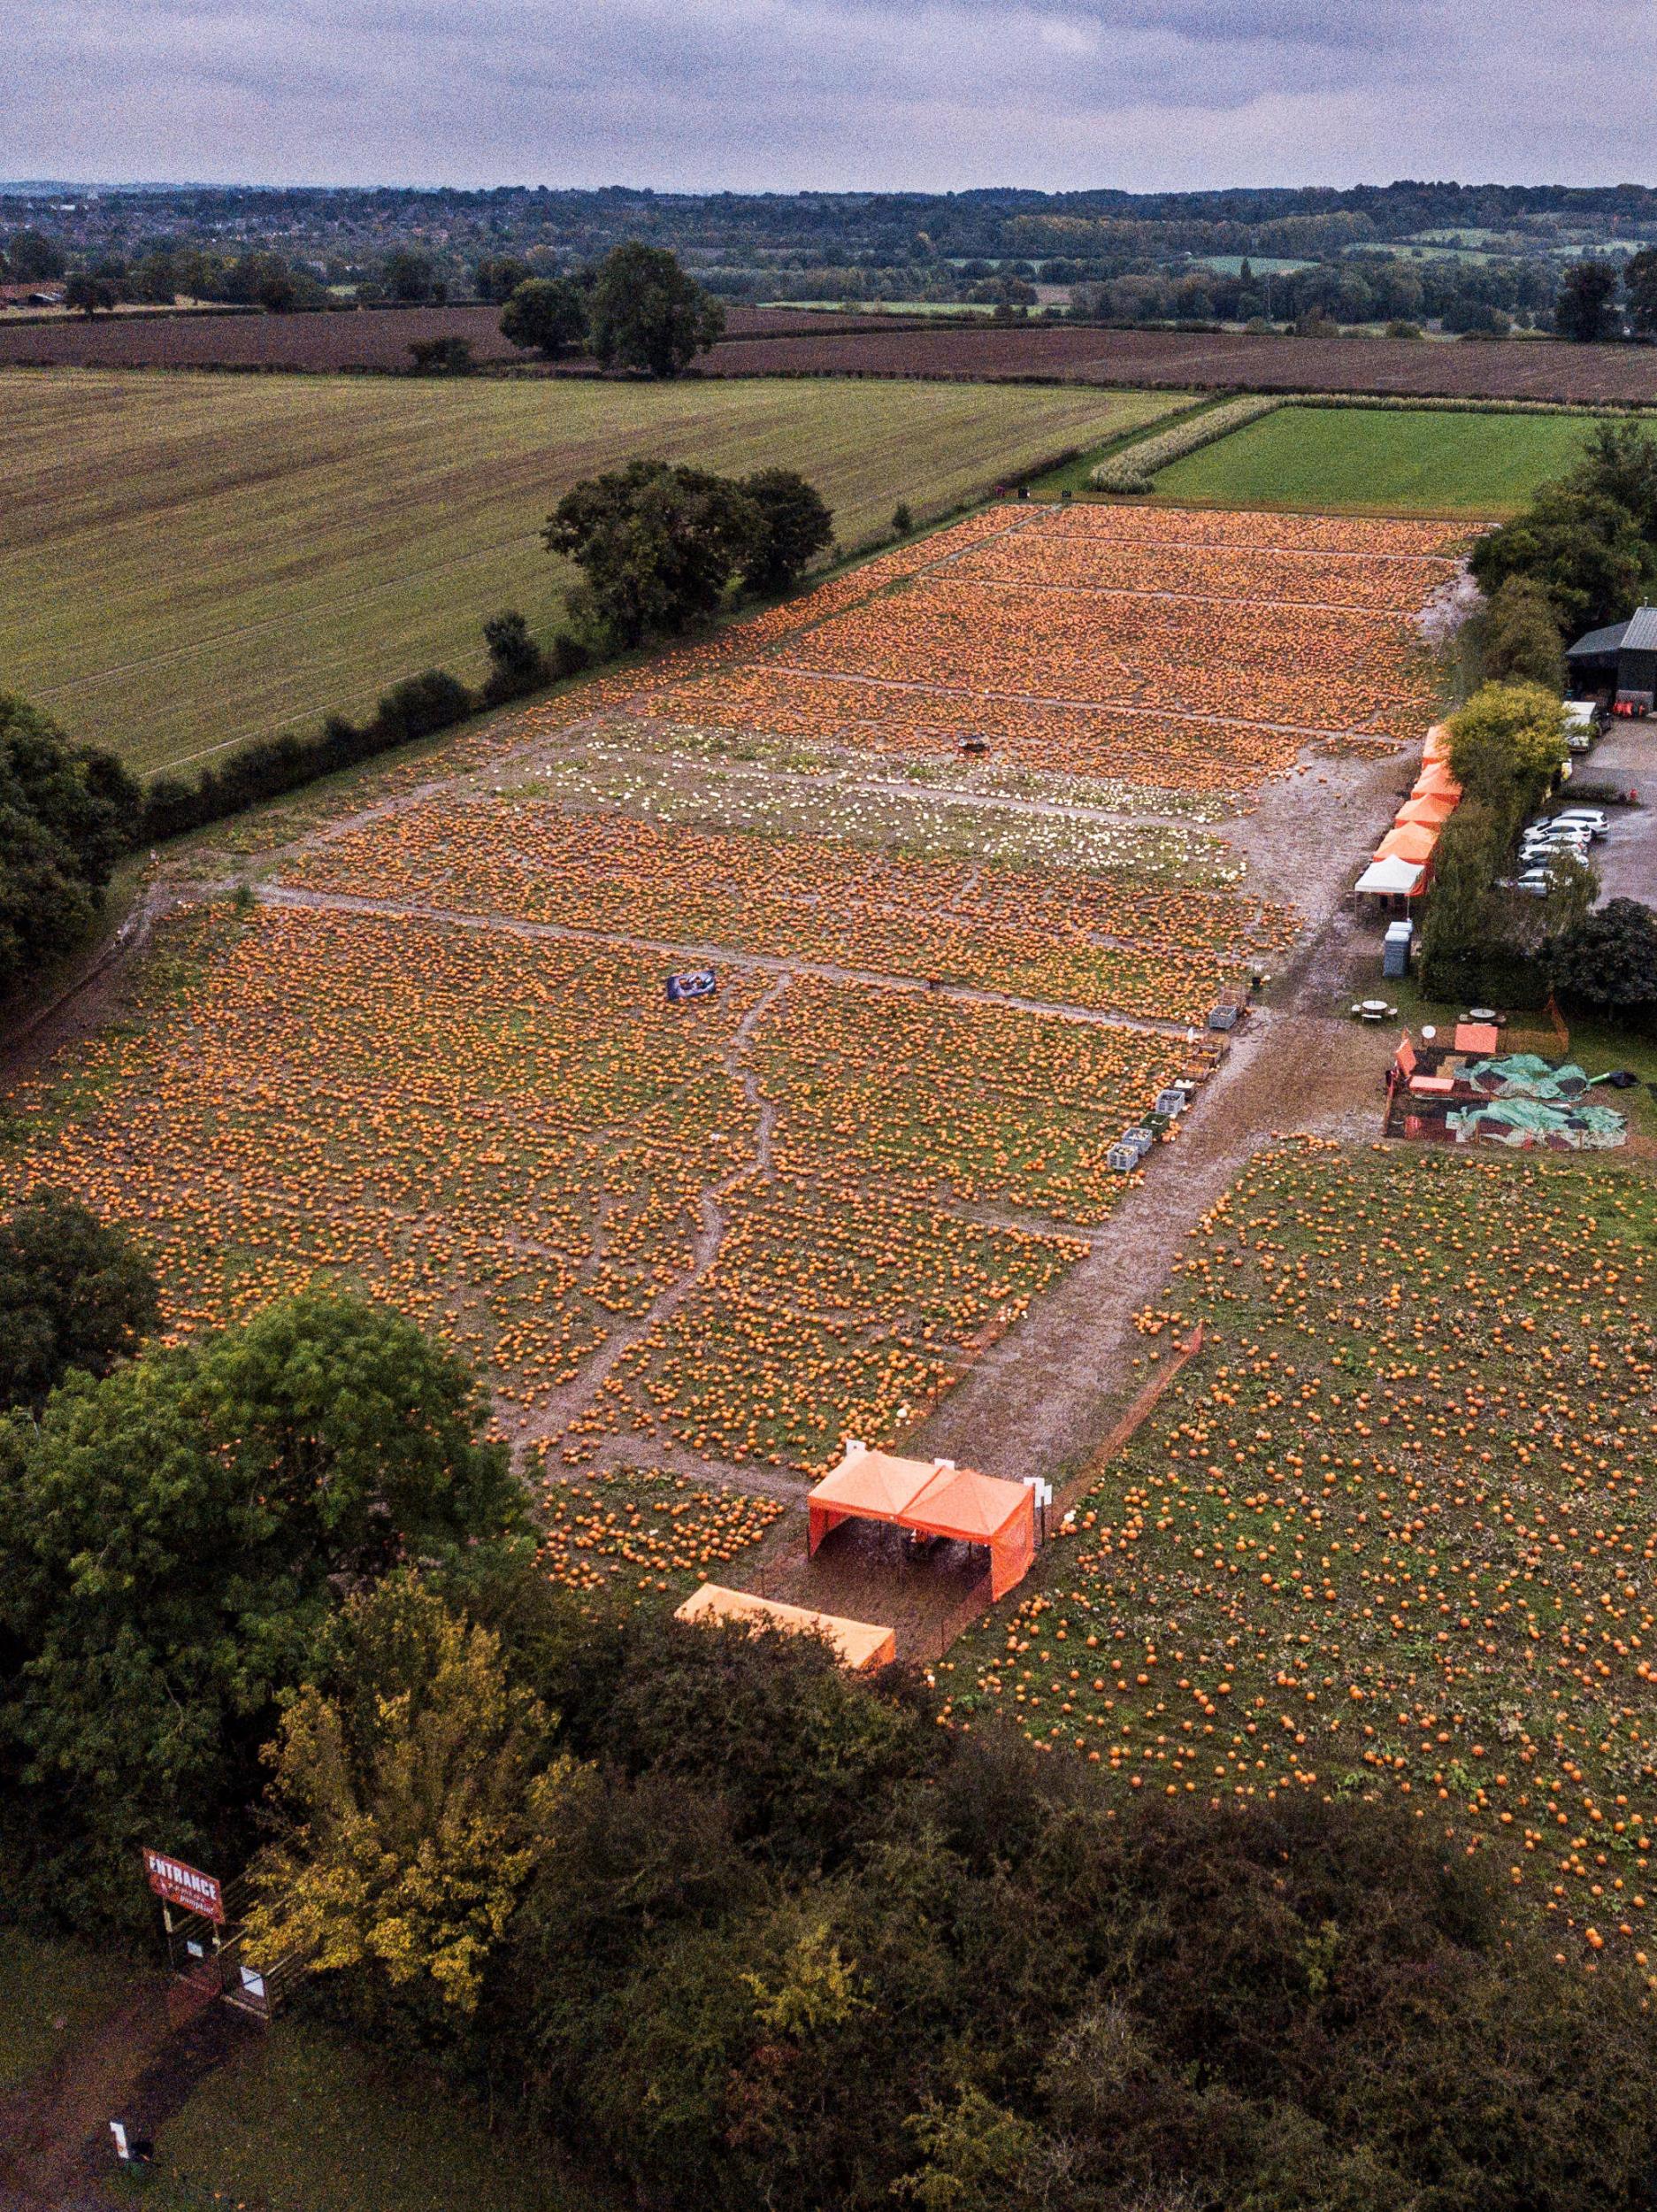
1621	658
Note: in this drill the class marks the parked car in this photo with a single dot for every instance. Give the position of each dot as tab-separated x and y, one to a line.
1583	723
1588	818
1535	883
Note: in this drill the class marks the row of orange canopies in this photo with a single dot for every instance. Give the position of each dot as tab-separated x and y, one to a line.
1419	822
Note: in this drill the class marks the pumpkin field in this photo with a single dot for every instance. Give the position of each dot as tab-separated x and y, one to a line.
1392	1531
430	1053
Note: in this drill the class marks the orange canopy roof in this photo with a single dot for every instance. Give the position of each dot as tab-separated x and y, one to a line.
1435	779
1414	841
933	1498
974	1507
859	1644
874	1482
1433	810
1436	746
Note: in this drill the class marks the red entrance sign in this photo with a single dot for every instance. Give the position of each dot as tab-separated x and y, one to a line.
184	1885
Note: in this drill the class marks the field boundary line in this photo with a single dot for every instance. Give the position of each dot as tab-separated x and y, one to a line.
1128	1422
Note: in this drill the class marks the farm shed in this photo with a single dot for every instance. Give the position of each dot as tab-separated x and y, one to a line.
931	1498
861	1645
1623	659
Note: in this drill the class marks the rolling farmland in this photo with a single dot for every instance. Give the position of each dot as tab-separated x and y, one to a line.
189	562
1529	368
318	341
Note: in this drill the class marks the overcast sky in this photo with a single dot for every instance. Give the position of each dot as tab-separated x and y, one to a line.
836	93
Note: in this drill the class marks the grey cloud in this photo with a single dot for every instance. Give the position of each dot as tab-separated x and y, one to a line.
834	93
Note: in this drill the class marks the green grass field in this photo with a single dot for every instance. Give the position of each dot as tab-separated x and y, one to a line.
1363	460
188	562
302	2122
40	1983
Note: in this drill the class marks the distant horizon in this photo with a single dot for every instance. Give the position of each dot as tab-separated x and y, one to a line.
22	186
828	96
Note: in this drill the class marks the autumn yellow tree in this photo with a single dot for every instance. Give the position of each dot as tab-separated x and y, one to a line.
415	1791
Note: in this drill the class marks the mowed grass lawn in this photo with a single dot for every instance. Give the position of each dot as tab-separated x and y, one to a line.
188	562
1372	460
43	1983
301	2122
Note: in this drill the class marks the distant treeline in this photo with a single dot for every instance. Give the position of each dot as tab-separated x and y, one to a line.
283	247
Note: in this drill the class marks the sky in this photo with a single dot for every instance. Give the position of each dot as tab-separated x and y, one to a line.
832	94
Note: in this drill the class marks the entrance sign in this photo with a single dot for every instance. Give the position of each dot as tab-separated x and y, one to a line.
184	1885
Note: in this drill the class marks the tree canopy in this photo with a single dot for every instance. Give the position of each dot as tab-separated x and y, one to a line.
74	1292
760	1934
1585	550
657	546
1609	959
793	524
1506	744
647	314
66	814
660	546
1585	309
546	315
176	1536
1522	641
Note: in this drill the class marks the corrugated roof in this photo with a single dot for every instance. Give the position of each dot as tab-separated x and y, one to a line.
1599	641
1641	633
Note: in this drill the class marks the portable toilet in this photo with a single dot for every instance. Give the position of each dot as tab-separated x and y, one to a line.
1395	949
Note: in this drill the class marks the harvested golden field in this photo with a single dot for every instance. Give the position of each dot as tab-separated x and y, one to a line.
190	561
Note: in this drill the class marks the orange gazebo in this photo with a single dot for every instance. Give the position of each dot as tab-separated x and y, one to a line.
931	1498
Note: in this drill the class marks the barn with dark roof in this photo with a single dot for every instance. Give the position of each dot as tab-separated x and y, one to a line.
1621	659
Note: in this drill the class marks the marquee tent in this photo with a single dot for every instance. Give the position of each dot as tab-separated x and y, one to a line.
1399	878
1414	841
861	1644
1434	780
931	1498
1436	745
1431	809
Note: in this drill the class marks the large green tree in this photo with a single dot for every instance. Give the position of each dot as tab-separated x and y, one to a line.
1585	309
658	545
794	523
647	314
1639	289
1619	462
66	813
498	276
546	315
1584	550
175	1537
1522	642
1609	959
74	1292
416	1789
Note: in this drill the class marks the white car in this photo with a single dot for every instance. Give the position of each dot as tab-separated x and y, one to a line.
1588	817
1539	848
1535	883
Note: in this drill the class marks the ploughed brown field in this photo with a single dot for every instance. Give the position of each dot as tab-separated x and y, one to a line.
1420	368
369	338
